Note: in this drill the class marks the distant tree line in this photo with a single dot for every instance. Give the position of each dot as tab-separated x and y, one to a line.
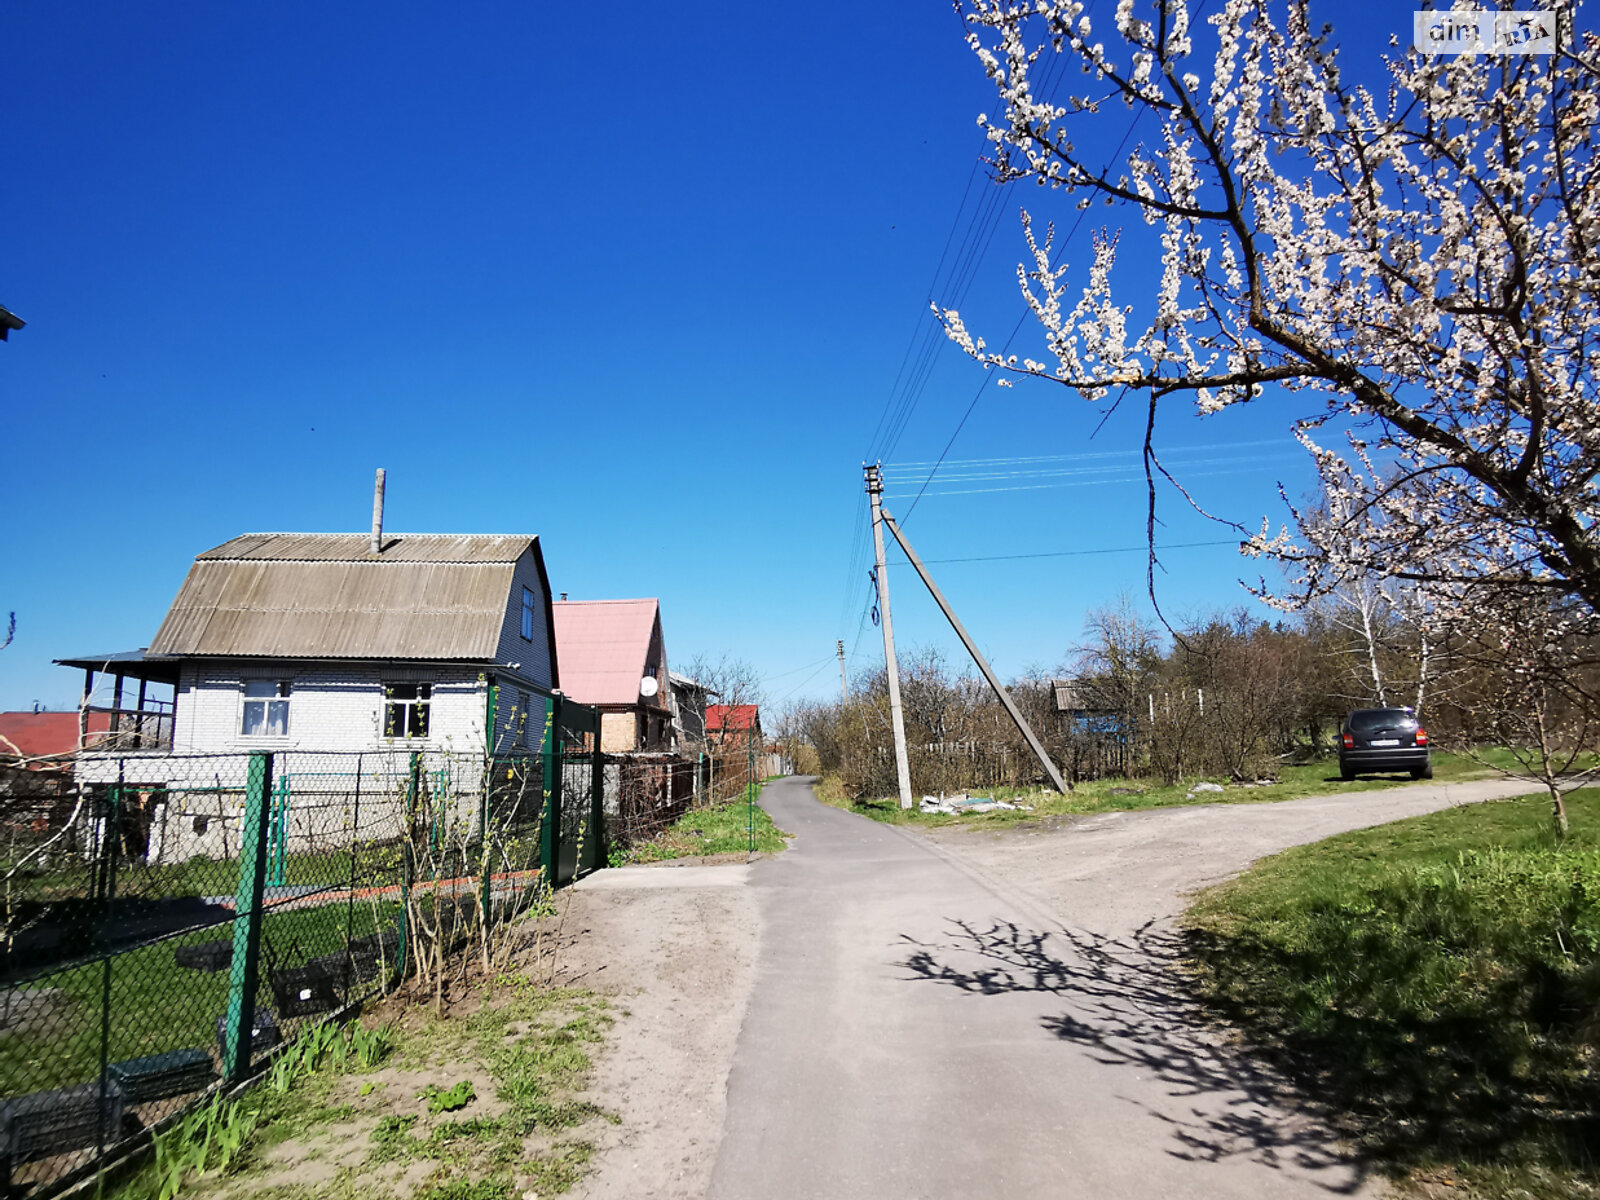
1222	695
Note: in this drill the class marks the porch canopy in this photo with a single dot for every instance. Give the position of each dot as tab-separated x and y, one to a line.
148	723
130	664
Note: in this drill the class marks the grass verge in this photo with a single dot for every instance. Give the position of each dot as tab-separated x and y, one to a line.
721	829
407	1121
1434	981
1114	795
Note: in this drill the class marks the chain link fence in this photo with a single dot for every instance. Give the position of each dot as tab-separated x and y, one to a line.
166	921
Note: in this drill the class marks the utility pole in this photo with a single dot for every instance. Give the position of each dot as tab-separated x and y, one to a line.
844	692
896	718
880	514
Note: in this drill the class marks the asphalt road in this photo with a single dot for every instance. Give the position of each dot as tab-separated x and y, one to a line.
925	1025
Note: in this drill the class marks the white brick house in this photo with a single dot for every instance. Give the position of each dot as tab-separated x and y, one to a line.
315	646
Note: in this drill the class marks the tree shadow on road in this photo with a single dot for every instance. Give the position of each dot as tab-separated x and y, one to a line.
1125	1003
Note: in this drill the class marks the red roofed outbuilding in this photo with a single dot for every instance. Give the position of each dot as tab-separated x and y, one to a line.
40	734
724	722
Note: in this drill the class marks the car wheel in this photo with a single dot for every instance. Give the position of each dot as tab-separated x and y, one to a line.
1422	772
1346	774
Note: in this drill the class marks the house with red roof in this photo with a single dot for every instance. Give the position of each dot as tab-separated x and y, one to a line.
726	723
36	764
612	657
39	735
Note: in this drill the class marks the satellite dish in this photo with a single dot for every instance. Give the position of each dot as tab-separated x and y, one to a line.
648	686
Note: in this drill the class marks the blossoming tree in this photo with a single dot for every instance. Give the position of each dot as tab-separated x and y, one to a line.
1416	256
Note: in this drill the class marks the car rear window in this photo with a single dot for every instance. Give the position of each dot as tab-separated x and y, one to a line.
1365	720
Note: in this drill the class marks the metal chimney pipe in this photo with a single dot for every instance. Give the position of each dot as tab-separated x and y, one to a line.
377	513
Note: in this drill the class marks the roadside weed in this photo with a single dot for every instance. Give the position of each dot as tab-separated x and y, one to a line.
442	1101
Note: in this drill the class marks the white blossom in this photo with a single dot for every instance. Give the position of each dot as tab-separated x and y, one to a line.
1416	257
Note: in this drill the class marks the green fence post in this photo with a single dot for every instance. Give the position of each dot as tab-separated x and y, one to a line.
550	826
278	837
485	847
597	802
113	818
408	866
243	976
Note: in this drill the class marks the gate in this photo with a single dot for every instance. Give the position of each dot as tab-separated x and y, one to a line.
574	829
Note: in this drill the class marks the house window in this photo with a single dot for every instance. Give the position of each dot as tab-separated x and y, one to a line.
405	712
266	708
525	715
527	614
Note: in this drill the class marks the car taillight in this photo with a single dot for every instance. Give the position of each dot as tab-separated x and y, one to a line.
1349	742
1422	736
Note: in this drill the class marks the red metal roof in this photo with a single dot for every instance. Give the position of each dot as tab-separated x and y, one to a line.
737	717
603	647
34	734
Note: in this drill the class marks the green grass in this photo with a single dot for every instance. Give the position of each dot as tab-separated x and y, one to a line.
1434	981
1116	795
721	829
535	1043
156	1005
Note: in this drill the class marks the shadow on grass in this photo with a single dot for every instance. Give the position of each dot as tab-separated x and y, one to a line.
1127	1004
1496	1083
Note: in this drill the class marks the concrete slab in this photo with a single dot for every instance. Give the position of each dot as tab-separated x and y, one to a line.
626	878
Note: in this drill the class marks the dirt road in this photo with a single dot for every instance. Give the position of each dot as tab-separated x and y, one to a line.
955	1014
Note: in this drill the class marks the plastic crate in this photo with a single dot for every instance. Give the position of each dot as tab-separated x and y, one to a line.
342	967
264	1033
44	1123
207	956
160	1076
302	991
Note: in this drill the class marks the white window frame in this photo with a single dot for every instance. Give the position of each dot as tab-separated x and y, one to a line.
420	701
282	693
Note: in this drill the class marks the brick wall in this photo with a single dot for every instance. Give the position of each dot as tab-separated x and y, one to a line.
332	706
618	732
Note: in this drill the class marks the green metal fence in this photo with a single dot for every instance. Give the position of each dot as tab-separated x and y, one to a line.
167	921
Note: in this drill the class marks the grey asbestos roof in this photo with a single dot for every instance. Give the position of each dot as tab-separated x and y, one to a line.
291	595
355	547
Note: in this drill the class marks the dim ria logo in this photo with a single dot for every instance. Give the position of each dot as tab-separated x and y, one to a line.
1483	31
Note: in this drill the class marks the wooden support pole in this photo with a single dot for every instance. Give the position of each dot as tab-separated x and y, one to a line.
83	709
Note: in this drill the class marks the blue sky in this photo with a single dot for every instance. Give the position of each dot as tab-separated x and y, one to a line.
637	279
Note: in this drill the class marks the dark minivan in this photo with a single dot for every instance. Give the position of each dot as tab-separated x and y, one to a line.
1384	739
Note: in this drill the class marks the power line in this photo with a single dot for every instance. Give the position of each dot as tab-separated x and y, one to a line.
989	372
794	671
1077	553
1039	487
804	681
1040	458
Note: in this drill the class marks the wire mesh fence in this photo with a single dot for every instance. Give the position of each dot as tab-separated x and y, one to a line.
167	920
